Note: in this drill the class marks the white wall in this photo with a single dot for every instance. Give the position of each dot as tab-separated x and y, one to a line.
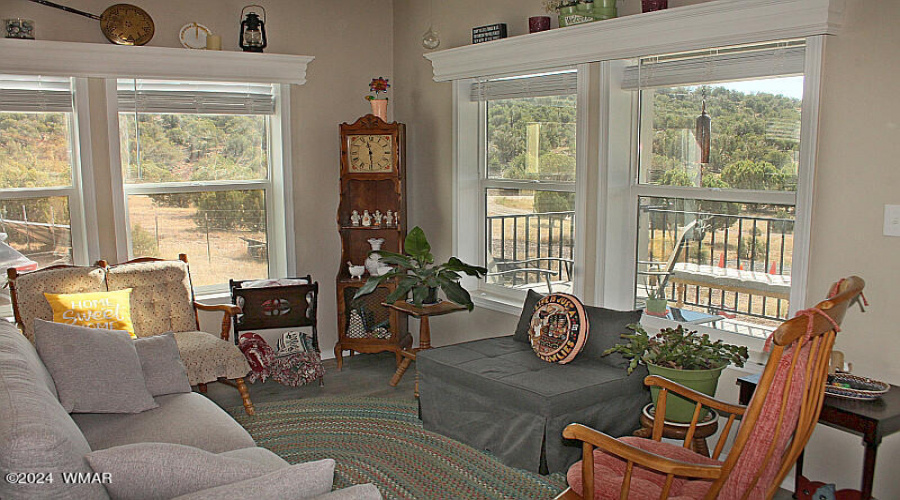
857	174
351	41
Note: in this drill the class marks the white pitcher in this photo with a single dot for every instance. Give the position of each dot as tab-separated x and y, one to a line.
373	262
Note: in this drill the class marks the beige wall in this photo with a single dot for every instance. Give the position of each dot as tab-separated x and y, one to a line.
351	41
857	174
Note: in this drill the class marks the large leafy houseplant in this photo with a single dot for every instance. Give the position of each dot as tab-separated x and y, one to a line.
416	272
682	356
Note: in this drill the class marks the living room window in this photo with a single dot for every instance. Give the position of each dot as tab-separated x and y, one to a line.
196	168
526	181
40	202
719	168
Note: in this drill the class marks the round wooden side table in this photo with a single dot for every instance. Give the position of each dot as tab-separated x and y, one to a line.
678	430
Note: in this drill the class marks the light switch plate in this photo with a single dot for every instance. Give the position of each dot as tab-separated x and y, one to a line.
892	220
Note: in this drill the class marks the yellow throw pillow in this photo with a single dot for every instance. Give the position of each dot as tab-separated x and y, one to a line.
109	310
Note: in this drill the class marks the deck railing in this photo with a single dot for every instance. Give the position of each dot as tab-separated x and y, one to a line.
747	242
514	241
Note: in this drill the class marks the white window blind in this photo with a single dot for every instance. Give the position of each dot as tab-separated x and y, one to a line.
34	94
714	66
155	96
548	84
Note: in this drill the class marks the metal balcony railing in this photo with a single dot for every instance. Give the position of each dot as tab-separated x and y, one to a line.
531	249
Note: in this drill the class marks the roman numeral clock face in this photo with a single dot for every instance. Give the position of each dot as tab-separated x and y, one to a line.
371	153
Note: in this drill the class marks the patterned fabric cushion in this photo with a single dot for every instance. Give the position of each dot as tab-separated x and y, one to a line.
559	328
610	470
208	357
161	299
30	289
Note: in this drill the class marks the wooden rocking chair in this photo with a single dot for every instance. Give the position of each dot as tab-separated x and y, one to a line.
775	427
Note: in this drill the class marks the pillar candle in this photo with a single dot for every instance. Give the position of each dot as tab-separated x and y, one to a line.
214	42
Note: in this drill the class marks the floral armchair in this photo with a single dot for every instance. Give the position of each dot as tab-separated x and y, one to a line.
161	301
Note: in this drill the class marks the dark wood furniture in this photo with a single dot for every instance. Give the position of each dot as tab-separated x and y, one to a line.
373	177
282	306
677	430
422	314
873	420
815	331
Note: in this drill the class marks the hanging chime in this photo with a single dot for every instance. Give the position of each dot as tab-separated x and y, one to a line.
703	131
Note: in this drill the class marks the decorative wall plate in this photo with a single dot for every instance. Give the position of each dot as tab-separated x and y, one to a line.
193	36
559	328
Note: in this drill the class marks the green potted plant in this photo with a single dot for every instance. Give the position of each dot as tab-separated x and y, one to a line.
416	272
656	303
682	356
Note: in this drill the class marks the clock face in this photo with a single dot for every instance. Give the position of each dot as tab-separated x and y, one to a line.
125	24
371	153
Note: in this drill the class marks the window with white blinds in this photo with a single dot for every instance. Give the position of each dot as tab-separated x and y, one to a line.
717	65
538	85
158	96
31	94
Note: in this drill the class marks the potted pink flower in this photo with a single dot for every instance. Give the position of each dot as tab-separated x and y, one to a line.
379	85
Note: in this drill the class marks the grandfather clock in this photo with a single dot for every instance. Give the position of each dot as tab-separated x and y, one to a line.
373	181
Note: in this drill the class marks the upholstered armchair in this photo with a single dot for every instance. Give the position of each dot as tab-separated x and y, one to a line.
161	301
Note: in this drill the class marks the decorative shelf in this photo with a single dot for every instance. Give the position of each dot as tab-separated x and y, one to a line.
96	60
694	27
372	228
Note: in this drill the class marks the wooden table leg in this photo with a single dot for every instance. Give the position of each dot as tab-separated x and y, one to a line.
408	358
868	478
424	333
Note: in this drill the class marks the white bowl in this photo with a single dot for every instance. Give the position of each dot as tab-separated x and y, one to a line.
357	271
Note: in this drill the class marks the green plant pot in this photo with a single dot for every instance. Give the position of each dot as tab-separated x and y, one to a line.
658	307
604	4
679	409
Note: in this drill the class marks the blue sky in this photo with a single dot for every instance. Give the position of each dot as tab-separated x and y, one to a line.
790	86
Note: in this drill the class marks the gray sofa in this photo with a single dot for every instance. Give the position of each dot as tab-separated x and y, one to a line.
37	435
495	394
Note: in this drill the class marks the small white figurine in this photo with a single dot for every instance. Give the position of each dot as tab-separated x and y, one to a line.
376	221
397	219
354	218
366	218
356	271
389	218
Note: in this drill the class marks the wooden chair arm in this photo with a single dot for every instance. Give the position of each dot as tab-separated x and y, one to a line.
697	397
228	310
630	453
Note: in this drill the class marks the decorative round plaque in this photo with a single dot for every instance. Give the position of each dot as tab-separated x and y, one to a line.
559	328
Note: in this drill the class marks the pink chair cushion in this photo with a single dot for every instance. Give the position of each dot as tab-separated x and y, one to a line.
609	471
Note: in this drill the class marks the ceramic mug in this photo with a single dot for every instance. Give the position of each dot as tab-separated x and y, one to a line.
538	23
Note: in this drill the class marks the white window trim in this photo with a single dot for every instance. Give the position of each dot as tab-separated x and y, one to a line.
615	243
470	161
618	292
84	61
277	186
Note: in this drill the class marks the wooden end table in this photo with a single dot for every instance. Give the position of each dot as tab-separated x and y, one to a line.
422	314
677	430
870	419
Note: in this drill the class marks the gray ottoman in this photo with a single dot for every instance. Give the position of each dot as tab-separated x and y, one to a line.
497	395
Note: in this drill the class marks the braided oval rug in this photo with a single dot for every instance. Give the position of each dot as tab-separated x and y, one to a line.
381	441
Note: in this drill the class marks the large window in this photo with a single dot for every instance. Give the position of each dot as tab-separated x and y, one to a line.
37	162
718	169
528	181
195	161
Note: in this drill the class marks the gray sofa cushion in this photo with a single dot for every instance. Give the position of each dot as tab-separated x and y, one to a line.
95	371
164	372
607	327
148	471
36	433
495	394
258	455
188	418
524	323
306	480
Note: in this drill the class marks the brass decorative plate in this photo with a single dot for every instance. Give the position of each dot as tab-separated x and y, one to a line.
126	24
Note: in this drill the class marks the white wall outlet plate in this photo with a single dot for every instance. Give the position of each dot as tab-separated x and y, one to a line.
892	220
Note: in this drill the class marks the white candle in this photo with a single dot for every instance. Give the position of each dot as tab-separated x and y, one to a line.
214	42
